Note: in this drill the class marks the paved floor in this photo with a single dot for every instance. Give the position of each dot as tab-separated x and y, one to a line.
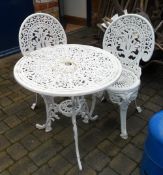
24	150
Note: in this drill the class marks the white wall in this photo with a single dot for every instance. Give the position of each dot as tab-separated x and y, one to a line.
75	8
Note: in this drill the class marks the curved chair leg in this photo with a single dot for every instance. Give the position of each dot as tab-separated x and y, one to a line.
34	103
123	117
92	108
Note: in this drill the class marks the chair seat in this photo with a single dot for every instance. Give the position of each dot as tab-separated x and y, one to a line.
127	81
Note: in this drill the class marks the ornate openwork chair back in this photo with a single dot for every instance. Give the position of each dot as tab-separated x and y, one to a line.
40	30
130	38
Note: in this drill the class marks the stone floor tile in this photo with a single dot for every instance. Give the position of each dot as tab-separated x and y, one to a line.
108	123
139	140
2	115
45	152
85	171
19	132
117	140
108	171
148	91
134	125
136	171
158	100
146	114
12	121
45	170
4	143
30	142
65	139
108	148
5	161
59	165
42	136
132	152
143	97
16	107
16	151
69	138
122	164
5	101
145	130
3	127
23	167
152	106
91	139
70	155
97	160
25	114
16	96
4	91
5	173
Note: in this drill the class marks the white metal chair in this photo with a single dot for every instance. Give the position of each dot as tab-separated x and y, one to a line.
39	30
130	38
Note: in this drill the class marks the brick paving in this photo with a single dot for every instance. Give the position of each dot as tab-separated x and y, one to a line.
24	150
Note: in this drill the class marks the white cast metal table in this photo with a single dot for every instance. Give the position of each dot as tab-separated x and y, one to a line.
69	70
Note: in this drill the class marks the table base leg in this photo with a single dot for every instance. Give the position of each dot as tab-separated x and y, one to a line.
74	114
51	110
88	115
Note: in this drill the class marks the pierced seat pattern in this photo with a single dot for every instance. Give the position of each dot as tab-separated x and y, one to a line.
127	80
130	38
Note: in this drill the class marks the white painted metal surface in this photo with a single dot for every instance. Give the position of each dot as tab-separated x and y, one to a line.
67	70
40	30
130	38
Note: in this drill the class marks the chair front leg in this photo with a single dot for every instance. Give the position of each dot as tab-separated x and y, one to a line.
123	100
123	118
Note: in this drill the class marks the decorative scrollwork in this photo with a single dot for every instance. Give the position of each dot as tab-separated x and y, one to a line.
123	97
40	30
67	69
130	38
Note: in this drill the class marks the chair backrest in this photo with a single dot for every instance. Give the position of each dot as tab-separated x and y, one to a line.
40	30
130	38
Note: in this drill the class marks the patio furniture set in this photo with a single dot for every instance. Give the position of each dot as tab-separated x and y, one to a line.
52	68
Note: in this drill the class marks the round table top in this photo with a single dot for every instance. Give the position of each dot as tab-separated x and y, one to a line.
67	70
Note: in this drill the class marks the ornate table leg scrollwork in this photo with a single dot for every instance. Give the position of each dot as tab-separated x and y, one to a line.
86	114
65	107
51	110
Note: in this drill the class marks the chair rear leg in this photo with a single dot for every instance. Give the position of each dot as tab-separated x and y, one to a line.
33	106
138	108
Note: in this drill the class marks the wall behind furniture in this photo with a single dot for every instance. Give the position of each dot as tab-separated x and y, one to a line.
12	14
76	8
